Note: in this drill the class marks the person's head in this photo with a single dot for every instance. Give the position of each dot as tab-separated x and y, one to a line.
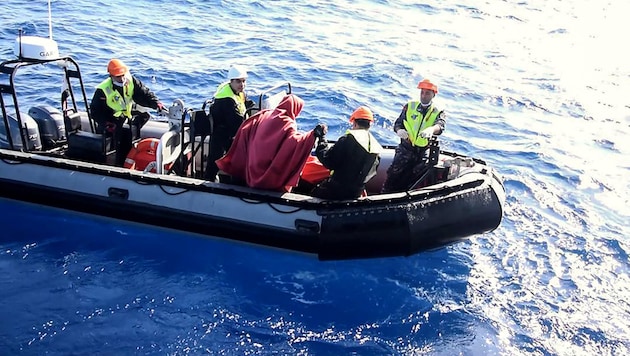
118	72
427	91
362	118
237	75
291	105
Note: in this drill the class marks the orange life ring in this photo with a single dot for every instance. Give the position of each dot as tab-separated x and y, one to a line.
142	154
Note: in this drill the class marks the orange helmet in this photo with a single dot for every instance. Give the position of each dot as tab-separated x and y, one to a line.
116	67
426	84
362	113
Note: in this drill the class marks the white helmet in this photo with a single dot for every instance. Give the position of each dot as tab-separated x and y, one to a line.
237	72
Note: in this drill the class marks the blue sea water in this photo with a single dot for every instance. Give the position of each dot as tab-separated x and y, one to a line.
537	89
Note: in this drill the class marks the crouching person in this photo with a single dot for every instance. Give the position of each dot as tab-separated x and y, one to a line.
353	159
112	102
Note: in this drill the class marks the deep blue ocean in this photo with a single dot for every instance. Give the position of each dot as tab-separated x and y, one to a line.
538	89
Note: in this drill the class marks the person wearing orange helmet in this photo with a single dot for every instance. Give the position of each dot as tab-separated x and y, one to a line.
353	159
112	103
418	121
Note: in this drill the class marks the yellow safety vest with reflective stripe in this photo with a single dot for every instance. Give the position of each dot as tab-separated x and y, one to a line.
225	91
415	122
120	104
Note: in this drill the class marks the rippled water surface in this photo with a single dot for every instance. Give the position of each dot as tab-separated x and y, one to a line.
537	89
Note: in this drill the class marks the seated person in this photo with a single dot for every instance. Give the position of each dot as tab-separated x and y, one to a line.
112	103
268	152
228	111
353	159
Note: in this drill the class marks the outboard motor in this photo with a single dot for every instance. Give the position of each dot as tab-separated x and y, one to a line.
51	125
33	141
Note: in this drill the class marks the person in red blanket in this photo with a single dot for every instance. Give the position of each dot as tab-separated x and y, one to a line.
268	152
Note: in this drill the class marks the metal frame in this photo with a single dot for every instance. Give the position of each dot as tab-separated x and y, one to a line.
11	67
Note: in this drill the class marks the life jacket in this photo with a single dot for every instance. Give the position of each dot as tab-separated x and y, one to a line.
314	171
371	146
121	104
415	122
225	91
366	140
142	154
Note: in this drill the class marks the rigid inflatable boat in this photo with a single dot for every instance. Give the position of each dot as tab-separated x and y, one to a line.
50	154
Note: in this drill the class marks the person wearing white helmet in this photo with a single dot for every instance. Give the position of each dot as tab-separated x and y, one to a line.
228	111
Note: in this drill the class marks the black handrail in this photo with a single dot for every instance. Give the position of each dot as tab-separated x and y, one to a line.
11	67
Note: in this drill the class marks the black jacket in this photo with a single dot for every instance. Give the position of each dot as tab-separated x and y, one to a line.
225	115
101	113
353	166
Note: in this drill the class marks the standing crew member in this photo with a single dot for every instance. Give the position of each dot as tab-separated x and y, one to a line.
418	121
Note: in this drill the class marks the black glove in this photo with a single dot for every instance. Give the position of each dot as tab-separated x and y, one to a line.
249	104
320	130
322	143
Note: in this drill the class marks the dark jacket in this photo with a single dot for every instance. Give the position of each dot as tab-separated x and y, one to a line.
226	121
353	166
225	115
101	113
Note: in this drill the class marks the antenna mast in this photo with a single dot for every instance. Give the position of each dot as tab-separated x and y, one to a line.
49	21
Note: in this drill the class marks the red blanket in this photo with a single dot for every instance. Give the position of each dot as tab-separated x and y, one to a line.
268	152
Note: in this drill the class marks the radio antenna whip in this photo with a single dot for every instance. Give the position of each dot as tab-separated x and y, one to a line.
49	21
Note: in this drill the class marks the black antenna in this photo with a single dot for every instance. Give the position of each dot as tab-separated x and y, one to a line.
49	21
20	43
